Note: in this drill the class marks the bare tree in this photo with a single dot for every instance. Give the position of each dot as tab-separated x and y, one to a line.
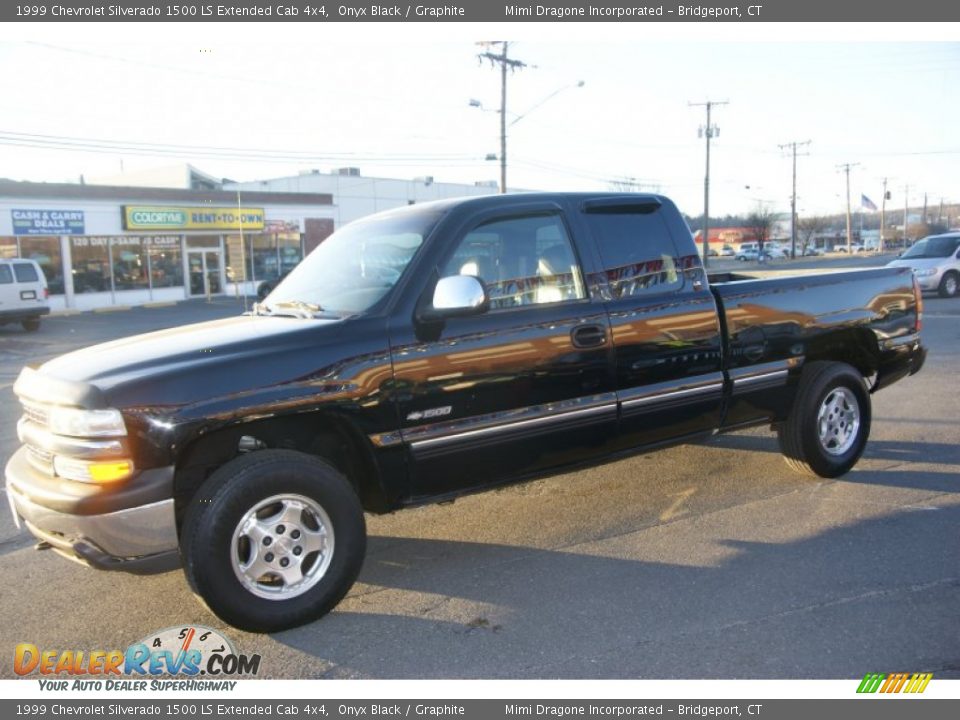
760	221
808	227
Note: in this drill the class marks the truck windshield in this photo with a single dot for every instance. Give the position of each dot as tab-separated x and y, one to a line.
933	247
353	269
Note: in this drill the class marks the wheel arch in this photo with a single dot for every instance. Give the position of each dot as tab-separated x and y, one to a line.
857	347
327	435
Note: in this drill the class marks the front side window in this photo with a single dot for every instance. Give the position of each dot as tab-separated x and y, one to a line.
638	253
526	260
6	276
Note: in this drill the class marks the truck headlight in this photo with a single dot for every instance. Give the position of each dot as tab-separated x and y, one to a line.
925	272
86	423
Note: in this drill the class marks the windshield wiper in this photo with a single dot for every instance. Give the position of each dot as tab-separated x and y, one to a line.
301	308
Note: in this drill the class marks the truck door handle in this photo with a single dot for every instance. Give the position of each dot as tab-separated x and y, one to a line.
587	336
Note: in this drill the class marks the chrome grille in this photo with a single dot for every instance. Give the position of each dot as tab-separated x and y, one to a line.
35	413
40	459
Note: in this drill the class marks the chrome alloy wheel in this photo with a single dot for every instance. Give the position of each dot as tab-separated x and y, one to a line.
838	421
282	546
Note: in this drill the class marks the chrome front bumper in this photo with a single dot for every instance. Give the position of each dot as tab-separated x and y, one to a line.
139	539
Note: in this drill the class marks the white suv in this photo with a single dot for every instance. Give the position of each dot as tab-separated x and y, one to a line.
23	293
936	263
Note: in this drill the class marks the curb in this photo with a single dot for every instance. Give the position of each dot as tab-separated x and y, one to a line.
112	308
64	313
159	304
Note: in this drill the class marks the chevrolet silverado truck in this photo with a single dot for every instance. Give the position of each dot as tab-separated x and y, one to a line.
424	353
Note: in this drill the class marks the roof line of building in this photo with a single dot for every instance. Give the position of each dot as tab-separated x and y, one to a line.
70	191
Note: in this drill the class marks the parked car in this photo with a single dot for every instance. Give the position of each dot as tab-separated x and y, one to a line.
936	263
727	251
775	251
267	286
811	251
749	251
23	293
424	353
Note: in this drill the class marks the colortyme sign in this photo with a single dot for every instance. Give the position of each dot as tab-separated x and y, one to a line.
47	222
140	217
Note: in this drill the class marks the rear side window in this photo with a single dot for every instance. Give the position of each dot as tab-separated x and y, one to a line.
26	273
638	254
6	276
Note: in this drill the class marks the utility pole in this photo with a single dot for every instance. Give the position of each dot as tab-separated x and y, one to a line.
506	63
793	197
883	213
906	194
846	168
707	132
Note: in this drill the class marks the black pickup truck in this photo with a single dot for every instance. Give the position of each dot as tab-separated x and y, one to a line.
428	352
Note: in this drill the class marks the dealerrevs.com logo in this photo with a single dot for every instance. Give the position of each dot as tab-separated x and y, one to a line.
895	683
187	651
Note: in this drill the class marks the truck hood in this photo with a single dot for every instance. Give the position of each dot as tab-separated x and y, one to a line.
187	364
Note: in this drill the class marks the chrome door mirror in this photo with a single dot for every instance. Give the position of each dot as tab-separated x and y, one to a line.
458	296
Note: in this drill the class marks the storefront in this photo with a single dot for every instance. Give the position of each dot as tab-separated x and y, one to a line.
106	246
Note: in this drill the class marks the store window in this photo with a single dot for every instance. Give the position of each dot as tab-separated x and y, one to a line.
91	264
8	248
239	258
129	264
265	261
289	251
262	256
166	261
46	251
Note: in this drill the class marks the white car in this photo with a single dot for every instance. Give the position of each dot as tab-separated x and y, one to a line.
936	263
23	293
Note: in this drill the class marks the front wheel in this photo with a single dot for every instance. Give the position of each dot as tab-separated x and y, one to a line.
273	539
828	426
949	285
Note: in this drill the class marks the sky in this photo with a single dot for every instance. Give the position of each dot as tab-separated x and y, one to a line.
590	107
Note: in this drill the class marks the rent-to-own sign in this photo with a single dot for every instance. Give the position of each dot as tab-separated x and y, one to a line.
141	217
47	222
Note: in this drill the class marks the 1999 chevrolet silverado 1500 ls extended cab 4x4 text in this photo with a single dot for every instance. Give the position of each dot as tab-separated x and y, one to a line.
427	352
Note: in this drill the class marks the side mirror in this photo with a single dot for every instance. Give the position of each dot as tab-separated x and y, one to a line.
457	296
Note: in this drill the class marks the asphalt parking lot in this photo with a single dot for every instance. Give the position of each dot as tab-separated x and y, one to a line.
706	561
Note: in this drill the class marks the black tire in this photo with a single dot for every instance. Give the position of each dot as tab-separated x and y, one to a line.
949	285
800	435
31	324
263	290
210	553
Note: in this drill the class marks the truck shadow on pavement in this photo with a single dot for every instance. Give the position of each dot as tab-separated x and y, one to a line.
893	450
764	607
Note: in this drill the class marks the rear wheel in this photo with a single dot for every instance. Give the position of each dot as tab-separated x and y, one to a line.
31	324
273	539
829	423
949	285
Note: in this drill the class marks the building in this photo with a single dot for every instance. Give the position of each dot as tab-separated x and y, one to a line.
355	196
103	245
175	232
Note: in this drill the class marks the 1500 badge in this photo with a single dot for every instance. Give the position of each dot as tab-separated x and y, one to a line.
430	413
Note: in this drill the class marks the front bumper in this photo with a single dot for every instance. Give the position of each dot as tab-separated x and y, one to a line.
93	524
